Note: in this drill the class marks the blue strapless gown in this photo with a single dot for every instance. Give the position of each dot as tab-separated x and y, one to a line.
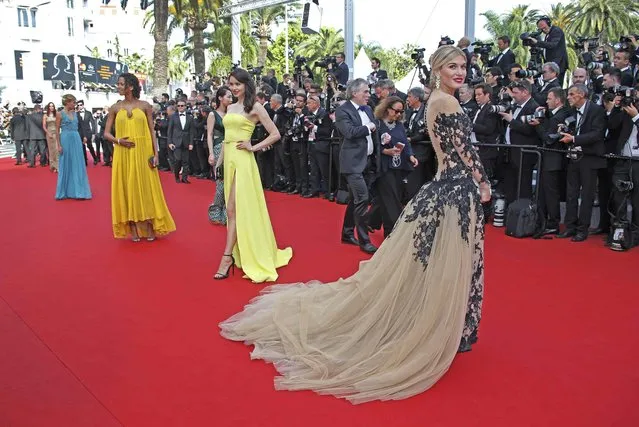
73	182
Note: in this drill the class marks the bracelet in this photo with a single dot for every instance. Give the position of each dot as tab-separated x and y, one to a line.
117	142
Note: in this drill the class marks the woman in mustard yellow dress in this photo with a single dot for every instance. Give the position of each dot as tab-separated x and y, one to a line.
250	242
138	208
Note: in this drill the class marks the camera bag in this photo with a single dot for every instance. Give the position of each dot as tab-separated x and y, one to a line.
522	215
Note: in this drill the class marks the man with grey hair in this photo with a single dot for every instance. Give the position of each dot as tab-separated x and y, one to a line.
586	146
359	160
550	71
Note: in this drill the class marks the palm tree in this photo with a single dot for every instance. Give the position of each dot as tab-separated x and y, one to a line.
607	19
177	65
95	52
512	24
328	41
160	48
263	19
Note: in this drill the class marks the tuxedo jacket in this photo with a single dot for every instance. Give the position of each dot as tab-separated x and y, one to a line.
553	161
416	130
341	73
86	125
555	45
619	129
591	135
504	63
541	93
487	128
523	134
177	136
324	130
353	156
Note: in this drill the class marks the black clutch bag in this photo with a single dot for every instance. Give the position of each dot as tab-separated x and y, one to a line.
152	164
219	173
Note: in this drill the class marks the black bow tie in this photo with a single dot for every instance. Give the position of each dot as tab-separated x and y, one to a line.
182	115
362	108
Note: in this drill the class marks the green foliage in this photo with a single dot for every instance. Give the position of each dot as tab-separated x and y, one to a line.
397	62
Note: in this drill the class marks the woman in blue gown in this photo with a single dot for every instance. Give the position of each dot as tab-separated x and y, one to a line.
73	182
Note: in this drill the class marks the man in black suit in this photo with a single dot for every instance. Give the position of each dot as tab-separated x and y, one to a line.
37	138
320	128
621	60
377	74
418	137
282	163
519	132
359	160
554	45
588	140
467	100
486	128
552	162
505	58
550	71
180	138
341	72
86	128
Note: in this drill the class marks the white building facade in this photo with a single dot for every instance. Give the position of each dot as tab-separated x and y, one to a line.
71	28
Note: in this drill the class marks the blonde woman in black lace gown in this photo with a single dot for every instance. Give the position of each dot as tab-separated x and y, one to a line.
392	329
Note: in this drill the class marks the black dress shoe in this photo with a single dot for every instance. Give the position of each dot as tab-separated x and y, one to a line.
369	248
186	181
566	233
350	240
310	195
177	180
293	191
579	237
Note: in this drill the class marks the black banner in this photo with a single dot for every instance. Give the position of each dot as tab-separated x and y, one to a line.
100	71
56	66
19	65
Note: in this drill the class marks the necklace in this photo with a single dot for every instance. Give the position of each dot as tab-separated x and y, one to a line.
390	125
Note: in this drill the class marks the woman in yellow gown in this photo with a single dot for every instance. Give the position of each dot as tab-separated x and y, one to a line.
138	208
250	242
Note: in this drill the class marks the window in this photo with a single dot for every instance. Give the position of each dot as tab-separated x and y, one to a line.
23	17
34	10
109	53
70	4
126	51
70	26
85	3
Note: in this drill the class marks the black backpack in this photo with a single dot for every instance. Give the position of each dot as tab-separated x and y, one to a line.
522	216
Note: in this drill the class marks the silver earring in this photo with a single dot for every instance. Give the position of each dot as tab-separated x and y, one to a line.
438	81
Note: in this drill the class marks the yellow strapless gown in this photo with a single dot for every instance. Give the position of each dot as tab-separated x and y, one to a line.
256	251
136	191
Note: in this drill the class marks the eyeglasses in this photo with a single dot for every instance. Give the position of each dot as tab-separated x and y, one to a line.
397	111
181	105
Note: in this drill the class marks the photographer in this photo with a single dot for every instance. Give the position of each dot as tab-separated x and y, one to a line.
505	58
467	100
626	173
553	163
549	70
417	136
320	128
586	145
486	128
554	45
282	164
494	79
341	70
298	137
519	132
378	73
621	61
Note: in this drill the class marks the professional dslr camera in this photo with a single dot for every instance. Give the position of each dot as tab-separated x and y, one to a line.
628	95
524	37
530	72
537	115
593	43
625	42
424	72
504	107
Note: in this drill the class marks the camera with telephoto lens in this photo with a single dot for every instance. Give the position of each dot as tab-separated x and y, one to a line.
525	74
483	49
326	61
628	95
625	42
537	115
501	108
593	43
255	71
525	36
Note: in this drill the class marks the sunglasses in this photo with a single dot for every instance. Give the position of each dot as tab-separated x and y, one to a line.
397	111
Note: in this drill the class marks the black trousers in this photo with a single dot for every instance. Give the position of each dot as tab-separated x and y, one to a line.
549	199
319	170
511	179
624	171
91	150
299	157
389	194
180	158
282	161
107	151
582	179
21	145
163	153
266	166
355	215
35	146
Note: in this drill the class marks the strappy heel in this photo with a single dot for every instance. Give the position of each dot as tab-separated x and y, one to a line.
222	276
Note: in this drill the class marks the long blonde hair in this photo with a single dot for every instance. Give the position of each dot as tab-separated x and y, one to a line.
440	58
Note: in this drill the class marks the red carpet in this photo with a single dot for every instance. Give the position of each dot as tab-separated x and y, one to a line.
99	332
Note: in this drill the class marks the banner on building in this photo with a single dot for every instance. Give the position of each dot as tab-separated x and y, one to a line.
19	63
57	66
